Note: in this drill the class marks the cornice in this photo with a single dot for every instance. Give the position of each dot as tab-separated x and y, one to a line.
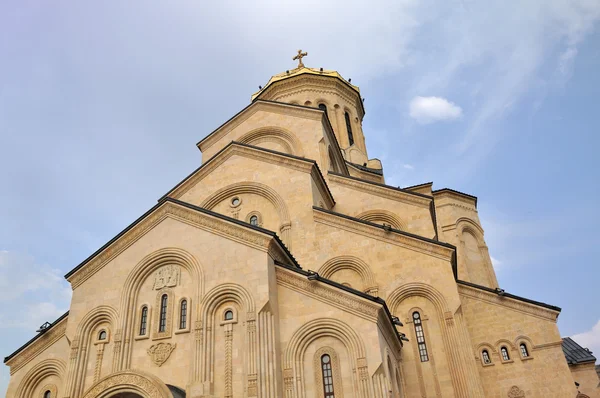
247	235
35	348
256	106
247	151
396	238
365	175
335	297
320	84
494	298
382	191
447	193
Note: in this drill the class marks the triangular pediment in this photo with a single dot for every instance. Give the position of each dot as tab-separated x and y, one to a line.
224	226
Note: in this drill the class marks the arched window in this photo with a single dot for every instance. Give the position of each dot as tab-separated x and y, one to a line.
524	352
327	376
48	394
162	325
323	107
102	335
183	314
485	355
228	316
420	337
254	220
143	320
349	128
504	353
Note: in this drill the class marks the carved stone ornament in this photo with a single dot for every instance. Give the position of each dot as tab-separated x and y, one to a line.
167	276
160	352
516	392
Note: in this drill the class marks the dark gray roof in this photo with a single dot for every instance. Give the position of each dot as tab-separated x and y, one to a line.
575	353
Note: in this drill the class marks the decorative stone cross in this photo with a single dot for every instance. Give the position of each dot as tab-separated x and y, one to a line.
299	58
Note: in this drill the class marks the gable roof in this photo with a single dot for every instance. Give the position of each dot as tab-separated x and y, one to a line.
575	353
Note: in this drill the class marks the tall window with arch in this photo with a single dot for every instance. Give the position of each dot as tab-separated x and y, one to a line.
327	376
485	356
323	107
504	353
48	394
524	351
254	220
349	129
162	324
420	337
183	314
143	320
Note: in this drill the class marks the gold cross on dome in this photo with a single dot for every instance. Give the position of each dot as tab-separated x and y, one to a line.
299	58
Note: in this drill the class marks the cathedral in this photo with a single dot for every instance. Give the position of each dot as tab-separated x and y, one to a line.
284	266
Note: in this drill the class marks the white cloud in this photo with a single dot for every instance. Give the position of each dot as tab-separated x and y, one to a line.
495	262
408	166
566	59
427	110
590	339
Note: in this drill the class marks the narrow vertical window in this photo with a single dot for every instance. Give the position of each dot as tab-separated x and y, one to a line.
420	337
327	376
485	355
323	107
504	353
162	326
143	320
349	128
47	394
183	314
524	352
254	220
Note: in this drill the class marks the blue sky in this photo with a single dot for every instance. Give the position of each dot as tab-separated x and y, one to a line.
101	104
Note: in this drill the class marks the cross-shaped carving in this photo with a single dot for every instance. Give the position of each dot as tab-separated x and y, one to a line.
299	58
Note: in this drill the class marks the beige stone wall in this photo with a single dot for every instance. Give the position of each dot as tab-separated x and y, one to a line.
495	322
586	376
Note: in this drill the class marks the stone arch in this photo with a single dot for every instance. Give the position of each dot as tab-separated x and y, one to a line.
224	293
129	381
293	356
277	135
452	340
383	217
144	269
355	264
85	334
46	368
507	343
257	189
485	276
335	368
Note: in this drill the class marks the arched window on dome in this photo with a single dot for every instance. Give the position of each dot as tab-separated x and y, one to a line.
524	351
323	107
349	129
420	337
48	394
254	220
327	373
162	325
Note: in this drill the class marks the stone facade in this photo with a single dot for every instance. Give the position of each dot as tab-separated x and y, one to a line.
285	254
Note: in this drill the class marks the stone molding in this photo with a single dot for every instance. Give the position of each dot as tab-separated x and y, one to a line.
37	374
169	210
373	232
335	371
329	295
493	298
48	387
131	381
364	175
380	191
38	346
454	197
516	392
250	110
159	353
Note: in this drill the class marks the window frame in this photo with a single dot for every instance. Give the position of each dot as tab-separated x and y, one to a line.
188	316
422	350
234	319
336	372
157	332
259	218
349	128
505	358
485	352
327	376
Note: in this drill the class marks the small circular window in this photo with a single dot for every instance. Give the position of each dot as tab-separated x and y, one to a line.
228	315
235	201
